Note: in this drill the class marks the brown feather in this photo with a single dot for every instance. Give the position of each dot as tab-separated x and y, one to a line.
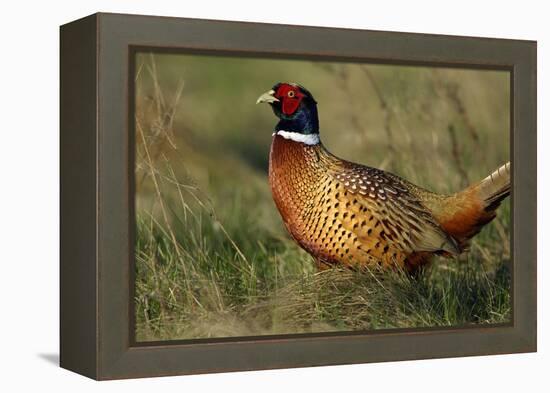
350	214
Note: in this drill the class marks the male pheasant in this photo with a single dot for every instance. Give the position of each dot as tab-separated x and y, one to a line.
354	215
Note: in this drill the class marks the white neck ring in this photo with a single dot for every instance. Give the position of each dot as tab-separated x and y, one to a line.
308	139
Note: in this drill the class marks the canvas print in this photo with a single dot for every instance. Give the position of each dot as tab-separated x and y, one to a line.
295	196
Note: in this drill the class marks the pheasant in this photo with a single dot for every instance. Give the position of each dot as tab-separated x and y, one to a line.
343	213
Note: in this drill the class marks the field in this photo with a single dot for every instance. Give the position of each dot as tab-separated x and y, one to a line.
212	256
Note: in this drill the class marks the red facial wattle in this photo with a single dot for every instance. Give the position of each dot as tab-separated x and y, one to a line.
290	97
290	105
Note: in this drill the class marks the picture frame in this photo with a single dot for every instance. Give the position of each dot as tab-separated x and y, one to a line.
97	196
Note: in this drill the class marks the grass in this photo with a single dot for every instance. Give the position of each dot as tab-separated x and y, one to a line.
212	258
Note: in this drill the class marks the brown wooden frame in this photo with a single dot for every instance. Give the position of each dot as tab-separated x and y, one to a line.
97	195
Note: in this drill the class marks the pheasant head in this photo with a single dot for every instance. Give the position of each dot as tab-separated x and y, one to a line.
295	107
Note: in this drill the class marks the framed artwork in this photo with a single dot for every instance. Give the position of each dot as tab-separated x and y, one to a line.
240	196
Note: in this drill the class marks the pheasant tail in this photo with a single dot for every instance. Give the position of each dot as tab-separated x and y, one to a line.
465	213
495	187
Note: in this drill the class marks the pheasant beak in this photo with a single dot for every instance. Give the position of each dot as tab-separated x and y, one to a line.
267	97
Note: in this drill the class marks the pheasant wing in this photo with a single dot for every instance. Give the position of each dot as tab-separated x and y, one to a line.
382	207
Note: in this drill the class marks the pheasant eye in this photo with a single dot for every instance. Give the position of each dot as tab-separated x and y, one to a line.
291	94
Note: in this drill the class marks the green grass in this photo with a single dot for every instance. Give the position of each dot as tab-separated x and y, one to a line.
230	277
212	256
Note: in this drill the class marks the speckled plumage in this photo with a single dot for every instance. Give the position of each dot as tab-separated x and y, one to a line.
350	214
